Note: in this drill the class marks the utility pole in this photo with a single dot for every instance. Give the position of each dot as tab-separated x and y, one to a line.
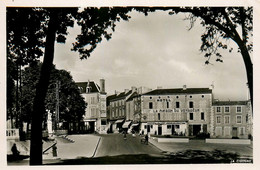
57	108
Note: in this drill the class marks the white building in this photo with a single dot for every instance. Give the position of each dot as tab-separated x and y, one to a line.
95	118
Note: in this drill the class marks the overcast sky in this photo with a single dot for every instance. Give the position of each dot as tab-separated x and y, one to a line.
155	50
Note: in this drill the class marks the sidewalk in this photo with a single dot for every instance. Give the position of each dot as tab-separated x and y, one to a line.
84	146
243	150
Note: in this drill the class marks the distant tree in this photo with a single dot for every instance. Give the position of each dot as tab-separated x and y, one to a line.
71	103
49	25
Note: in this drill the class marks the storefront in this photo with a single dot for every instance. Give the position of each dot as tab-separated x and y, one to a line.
165	128
126	125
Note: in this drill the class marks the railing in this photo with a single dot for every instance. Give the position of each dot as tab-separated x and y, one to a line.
12	133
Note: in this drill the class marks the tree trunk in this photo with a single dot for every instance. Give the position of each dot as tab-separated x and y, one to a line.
41	91
249	69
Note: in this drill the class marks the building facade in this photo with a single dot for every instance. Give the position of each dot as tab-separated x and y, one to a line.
134	110
182	112
232	119
95	118
179	112
117	110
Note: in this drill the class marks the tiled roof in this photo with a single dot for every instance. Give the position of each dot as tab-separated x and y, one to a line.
109	98
179	91
221	103
119	96
135	94
93	86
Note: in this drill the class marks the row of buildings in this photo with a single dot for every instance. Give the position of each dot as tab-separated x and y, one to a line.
179	112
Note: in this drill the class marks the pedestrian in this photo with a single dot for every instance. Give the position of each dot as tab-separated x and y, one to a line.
14	150
146	139
124	134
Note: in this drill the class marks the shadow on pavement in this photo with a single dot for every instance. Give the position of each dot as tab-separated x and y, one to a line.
186	157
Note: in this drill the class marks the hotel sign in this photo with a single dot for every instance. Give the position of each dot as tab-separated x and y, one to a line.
175	110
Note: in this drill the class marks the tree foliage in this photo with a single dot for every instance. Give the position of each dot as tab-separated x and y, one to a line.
71	104
97	24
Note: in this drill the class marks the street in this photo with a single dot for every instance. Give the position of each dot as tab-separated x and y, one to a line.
115	144
98	149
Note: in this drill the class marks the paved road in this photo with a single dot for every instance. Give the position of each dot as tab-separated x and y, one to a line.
242	150
115	144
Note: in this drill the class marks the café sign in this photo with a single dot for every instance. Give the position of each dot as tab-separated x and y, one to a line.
176	110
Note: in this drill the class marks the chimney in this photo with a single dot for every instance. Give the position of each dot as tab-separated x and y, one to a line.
211	87
134	89
184	87
117	92
102	86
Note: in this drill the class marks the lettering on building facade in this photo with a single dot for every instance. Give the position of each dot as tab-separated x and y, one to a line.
176	110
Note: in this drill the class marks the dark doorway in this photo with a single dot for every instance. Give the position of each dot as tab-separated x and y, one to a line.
234	132
159	130
91	127
148	128
196	129
173	130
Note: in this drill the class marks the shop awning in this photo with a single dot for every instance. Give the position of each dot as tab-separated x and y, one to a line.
126	124
119	121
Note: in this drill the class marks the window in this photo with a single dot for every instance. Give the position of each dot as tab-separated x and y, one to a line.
239	119
190	104
177	97
218	109
226	109
177	104
227	119
239	109
145	126
103	122
177	126
202	116
92	100
151	126
191	116
150	105
190	96
151	97
242	130
169	126
159	116
202	96
167	105
218	119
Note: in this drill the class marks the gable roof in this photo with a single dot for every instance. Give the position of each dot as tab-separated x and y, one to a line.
83	86
226	103
179	91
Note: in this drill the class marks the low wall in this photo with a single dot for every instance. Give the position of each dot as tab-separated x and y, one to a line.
169	140
61	132
229	141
